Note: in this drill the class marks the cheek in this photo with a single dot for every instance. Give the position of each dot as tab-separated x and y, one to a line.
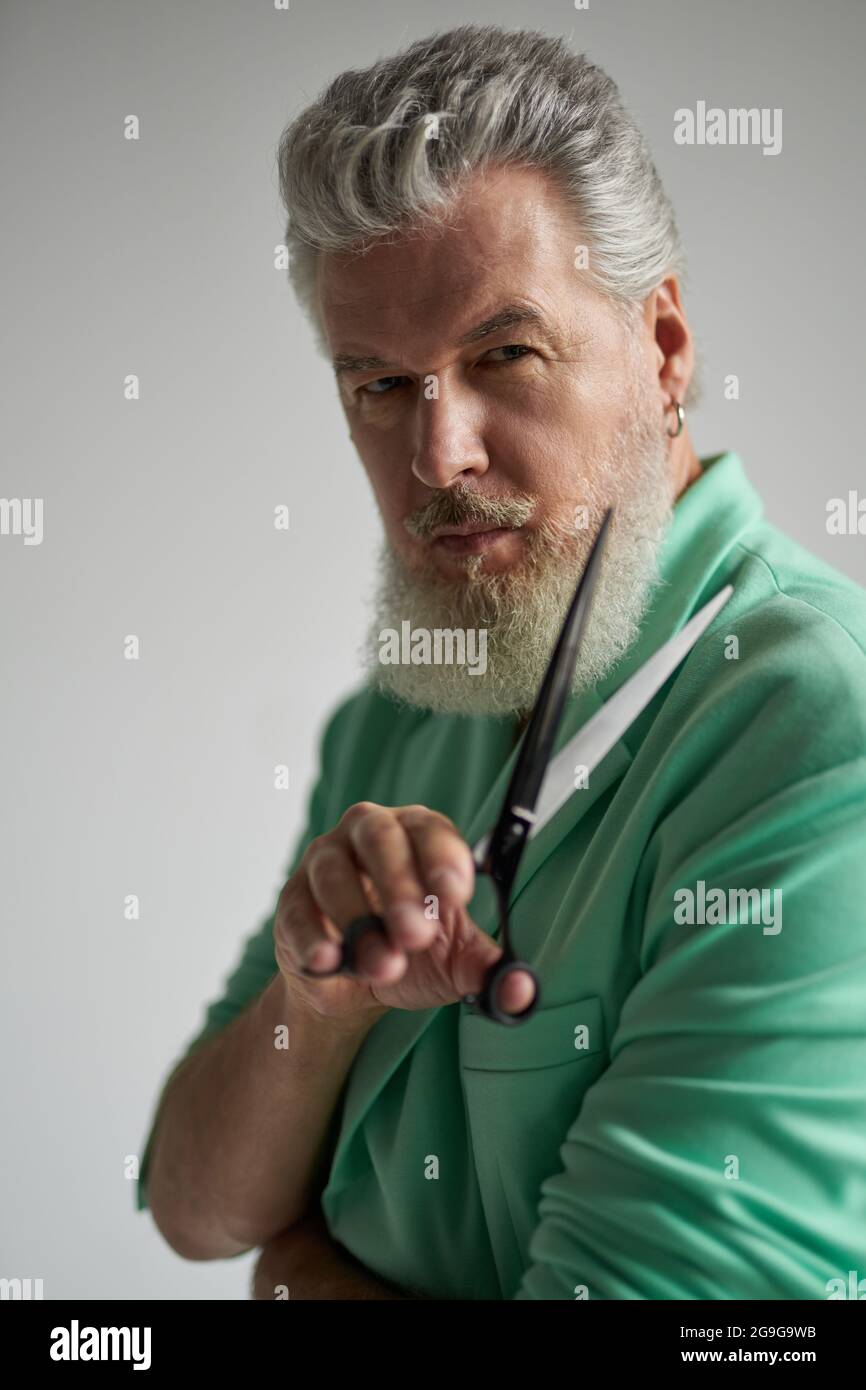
550	446
562	400
545	442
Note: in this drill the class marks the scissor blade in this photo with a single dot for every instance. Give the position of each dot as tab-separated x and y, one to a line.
541	731
599	734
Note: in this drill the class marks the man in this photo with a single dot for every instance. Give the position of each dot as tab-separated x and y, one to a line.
490	262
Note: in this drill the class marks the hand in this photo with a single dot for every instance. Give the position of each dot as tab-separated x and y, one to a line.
304	1263
387	859
289	1261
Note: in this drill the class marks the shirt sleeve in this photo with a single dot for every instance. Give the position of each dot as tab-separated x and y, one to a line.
722	1153
257	964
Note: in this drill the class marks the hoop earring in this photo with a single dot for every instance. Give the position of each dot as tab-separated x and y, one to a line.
681	415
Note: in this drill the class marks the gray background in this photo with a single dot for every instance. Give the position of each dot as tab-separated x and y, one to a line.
156	257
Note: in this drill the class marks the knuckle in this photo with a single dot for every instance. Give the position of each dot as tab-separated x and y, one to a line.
286	899
416	817
402	887
374	833
357	812
314	848
285	921
327	873
291	920
324	854
424	818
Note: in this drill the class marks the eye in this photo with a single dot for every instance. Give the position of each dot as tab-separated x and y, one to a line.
384	384
519	348
372	388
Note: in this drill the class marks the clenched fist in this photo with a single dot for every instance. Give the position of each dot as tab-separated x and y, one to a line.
387	860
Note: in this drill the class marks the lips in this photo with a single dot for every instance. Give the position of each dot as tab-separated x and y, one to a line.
471	540
469	528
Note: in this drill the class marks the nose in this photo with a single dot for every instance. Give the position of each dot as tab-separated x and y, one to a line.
448	439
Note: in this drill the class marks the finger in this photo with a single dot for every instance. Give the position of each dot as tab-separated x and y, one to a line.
444	859
337	885
516	992
334	882
377	961
384	851
301	937
337	889
473	954
337	894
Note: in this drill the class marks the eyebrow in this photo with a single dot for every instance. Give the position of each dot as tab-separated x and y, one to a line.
509	316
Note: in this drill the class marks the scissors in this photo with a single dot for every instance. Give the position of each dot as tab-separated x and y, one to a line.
539	786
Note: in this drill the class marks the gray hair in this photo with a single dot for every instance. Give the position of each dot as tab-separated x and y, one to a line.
359	164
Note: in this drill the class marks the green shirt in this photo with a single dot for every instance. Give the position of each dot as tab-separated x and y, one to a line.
685	1114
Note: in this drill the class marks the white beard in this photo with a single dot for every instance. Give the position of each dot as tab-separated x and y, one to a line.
522	609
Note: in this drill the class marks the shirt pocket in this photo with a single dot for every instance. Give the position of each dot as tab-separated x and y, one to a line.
524	1085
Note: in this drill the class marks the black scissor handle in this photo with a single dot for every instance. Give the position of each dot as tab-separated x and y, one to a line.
486	1001
353	933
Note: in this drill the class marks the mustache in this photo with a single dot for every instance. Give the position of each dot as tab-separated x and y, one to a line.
454	505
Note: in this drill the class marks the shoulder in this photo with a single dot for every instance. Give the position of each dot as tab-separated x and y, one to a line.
770	705
793	598
786	657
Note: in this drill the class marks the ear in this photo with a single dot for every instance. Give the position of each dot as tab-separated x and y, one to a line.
670	333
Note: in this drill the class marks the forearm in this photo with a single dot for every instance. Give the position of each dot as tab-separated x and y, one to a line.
242	1127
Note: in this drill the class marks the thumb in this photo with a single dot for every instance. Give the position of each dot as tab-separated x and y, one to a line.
473	954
